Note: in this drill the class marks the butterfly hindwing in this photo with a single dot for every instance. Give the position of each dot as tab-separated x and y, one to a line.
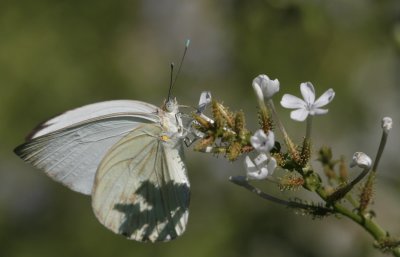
141	188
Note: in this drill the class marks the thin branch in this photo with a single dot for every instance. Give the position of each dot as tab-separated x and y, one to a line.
316	210
341	192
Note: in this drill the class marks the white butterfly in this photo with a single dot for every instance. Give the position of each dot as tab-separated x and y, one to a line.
128	155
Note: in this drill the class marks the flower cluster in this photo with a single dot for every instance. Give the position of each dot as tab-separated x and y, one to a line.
226	134
265	88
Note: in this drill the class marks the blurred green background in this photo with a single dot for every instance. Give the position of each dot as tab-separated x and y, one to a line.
56	55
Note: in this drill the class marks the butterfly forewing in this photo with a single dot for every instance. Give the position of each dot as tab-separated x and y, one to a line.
141	188
71	155
94	111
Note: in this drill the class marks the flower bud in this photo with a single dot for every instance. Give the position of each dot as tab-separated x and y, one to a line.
205	100
361	160
387	124
265	87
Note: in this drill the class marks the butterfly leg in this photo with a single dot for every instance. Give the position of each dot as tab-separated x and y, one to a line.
189	141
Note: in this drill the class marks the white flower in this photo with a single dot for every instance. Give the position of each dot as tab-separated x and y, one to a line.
261	142
263	165
205	100
361	160
265	87
260	167
308	106
387	124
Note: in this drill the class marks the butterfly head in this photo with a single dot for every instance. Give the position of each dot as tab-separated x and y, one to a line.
171	105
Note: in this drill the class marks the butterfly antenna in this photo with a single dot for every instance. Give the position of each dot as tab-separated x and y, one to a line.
179	68
170	81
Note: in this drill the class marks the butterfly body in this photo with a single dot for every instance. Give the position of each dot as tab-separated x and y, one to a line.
128	155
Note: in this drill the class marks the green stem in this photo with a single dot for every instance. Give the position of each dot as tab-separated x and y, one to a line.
380	151
278	121
341	192
365	197
373	228
289	143
308	127
352	201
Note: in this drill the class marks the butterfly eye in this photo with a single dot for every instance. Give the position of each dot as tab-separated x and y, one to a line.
171	105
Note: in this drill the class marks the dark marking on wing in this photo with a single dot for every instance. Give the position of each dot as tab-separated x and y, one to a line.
172	218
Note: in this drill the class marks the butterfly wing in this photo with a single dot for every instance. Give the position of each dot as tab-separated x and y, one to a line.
141	189
90	112
71	154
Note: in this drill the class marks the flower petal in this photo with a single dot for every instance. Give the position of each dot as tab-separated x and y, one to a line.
205	100
308	92
260	80
292	102
318	111
254	175
271	88
271	165
257	88
265	87
260	167
270	140
260	134
299	115
261	142
249	165
258	139
259	175
325	98
261	160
